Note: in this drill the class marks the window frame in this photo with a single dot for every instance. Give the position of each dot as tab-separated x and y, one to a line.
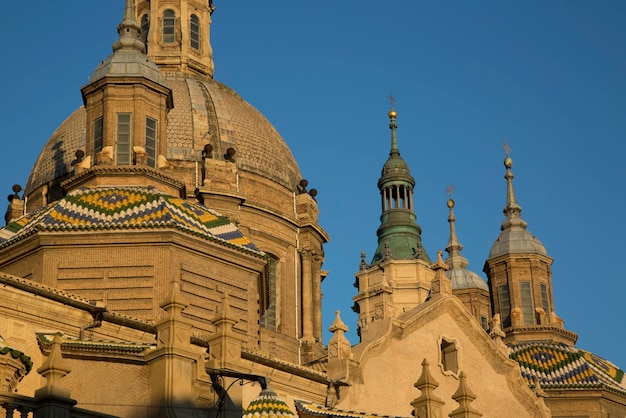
98	136
145	28
169	25
527	302
505	308
151	145
124	140
194	32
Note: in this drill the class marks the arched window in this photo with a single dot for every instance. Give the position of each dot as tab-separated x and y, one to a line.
194	32
145	27
169	26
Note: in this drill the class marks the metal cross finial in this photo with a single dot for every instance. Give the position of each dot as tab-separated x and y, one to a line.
392	101
450	190
506	147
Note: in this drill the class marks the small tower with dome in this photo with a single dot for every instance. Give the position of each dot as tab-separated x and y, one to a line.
520	278
468	286
399	276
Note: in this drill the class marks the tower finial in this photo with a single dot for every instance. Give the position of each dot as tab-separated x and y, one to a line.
512	210
395	151
454	247
129	30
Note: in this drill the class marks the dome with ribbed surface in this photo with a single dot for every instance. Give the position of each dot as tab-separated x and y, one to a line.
205	112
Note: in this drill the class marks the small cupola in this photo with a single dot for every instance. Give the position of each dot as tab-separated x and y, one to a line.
399	235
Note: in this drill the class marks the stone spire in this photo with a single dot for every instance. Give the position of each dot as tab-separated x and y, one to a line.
128	58
455	259
399	231
441	285
129	30
427	405
512	210
520	278
514	237
464	396
339	347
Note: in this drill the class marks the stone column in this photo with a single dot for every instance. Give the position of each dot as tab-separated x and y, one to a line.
317	297
307	294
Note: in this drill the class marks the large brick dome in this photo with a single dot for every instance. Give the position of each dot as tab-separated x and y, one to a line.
205	112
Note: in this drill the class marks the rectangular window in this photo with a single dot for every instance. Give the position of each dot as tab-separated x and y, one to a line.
151	140
545	302
123	145
484	323
505	305
97	136
169	26
528	314
195	32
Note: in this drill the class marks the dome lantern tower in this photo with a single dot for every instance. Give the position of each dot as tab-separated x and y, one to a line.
399	235
126	105
177	35
400	275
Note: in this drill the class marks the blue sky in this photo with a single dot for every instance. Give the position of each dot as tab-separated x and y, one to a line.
548	76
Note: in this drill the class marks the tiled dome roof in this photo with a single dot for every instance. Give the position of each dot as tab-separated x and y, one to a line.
561	366
117	208
267	405
205	111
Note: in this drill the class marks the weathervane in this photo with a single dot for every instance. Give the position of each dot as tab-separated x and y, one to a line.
506	147
450	190
391	100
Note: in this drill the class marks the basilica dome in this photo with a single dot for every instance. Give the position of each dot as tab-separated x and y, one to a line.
205	112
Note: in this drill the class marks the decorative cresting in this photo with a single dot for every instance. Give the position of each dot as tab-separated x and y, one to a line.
268	405
399	235
561	366
127	208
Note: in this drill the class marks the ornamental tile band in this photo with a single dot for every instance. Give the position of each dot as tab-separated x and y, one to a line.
557	365
114	208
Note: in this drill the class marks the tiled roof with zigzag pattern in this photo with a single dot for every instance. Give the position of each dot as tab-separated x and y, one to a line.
117	208
561	366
